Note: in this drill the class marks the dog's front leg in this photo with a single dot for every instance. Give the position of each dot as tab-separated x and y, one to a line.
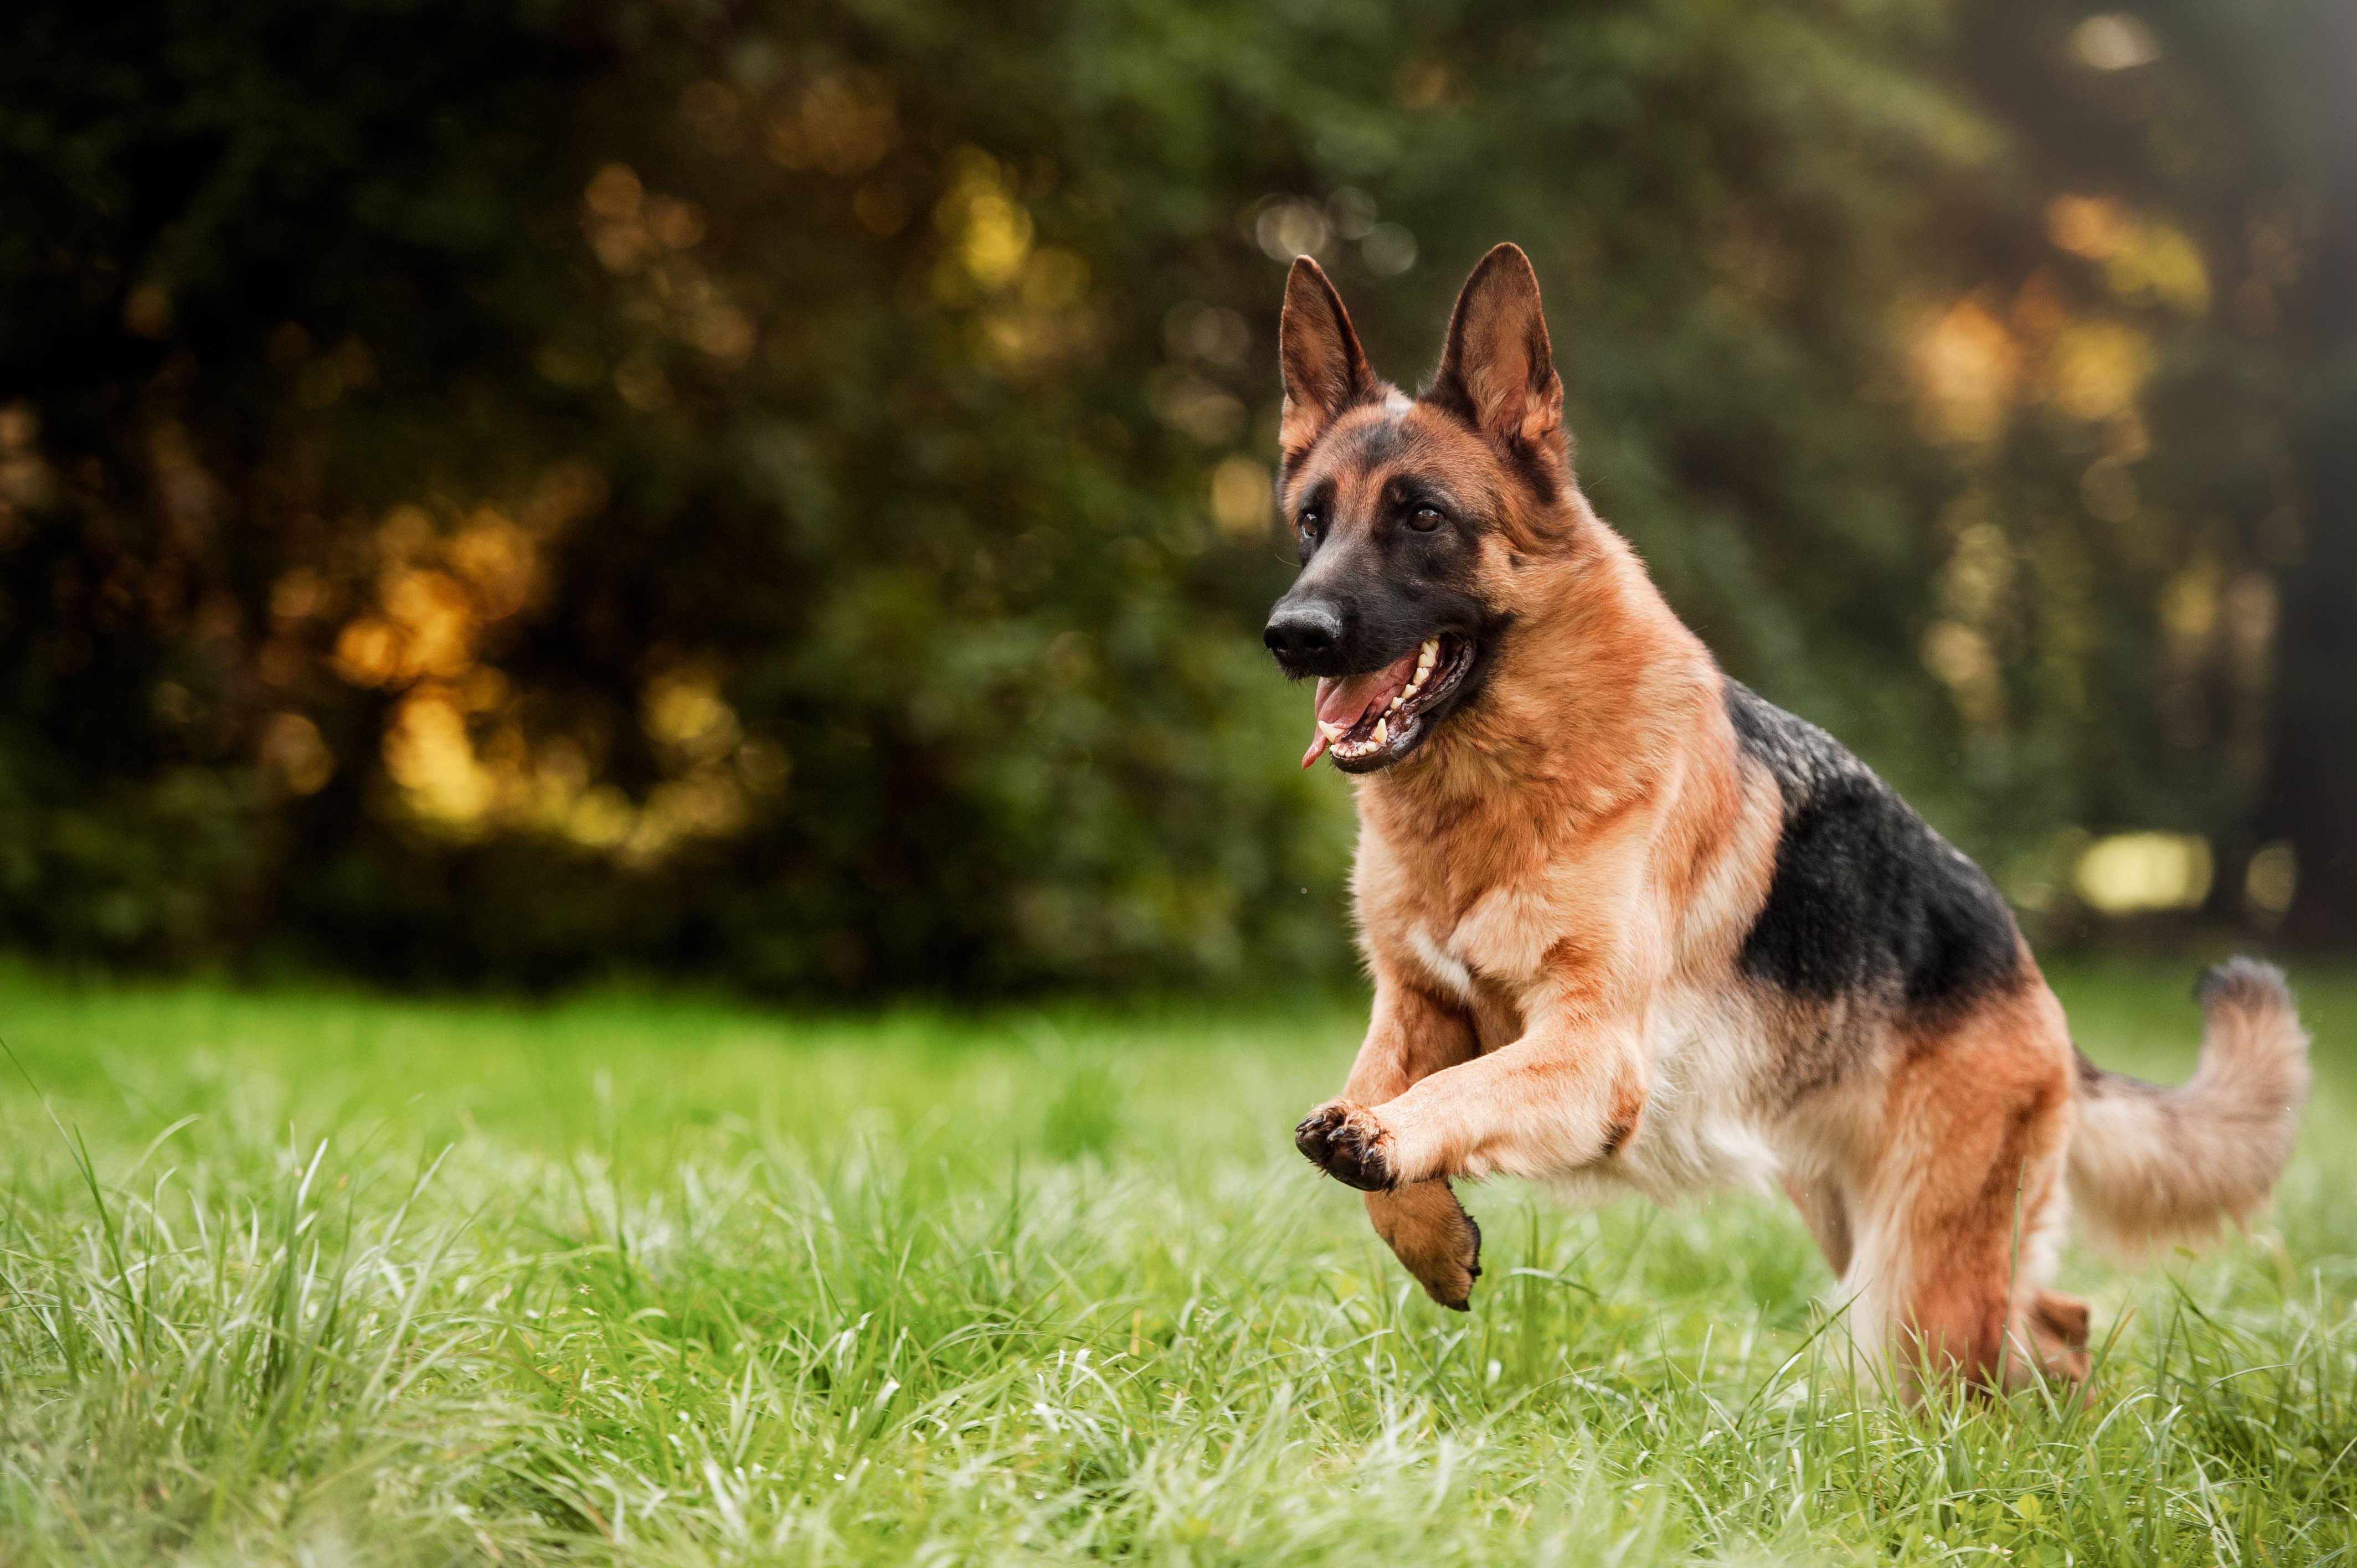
1566	1094
1412	1035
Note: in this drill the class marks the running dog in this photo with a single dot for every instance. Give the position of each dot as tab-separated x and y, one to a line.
1633	927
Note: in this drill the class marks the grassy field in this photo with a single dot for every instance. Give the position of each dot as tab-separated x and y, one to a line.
300	1278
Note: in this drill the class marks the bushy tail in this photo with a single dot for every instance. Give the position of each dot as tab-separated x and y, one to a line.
2153	1164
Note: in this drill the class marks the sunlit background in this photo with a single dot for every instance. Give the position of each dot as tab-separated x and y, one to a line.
779	493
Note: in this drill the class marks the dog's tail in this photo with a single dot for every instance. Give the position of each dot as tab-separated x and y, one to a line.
2151	1164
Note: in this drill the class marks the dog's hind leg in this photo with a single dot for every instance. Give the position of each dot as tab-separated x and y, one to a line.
1963	1208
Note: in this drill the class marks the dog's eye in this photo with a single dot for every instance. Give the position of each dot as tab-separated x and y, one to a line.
1426	518
1312	523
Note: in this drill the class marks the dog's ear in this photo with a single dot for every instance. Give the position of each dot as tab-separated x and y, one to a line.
1325	372
1497	371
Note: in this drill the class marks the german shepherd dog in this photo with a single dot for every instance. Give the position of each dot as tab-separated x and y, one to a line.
1633	927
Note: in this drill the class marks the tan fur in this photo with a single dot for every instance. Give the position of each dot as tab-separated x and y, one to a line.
2159	1165
1551	895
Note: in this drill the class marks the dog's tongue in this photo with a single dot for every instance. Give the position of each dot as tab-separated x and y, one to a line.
1344	700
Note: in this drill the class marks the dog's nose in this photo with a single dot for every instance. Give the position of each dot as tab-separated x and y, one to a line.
1303	631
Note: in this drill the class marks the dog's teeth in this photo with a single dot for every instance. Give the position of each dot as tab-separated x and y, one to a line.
1378	736
1331	732
1427	653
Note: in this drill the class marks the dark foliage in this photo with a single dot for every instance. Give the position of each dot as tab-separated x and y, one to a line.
515	490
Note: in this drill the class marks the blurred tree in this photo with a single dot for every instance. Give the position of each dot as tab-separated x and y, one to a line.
2312	799
780	491
2223	134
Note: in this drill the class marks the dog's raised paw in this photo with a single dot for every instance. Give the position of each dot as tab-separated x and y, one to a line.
1455	1288
1429	1230
1347	1144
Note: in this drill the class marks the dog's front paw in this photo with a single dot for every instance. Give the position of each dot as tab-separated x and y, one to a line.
1347	1143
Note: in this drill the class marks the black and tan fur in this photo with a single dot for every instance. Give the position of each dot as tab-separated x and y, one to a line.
1632	927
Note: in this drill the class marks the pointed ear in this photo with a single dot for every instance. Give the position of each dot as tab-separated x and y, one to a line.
1497	371
1325	372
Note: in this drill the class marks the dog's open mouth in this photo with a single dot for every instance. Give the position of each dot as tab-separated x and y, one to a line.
1373	720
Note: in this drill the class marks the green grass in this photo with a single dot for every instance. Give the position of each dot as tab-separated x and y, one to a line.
294	1278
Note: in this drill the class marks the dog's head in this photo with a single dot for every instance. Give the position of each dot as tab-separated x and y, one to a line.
1414	520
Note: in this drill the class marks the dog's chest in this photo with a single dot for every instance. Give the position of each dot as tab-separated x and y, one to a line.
1442	963
1502	930
1489	965
1493	906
